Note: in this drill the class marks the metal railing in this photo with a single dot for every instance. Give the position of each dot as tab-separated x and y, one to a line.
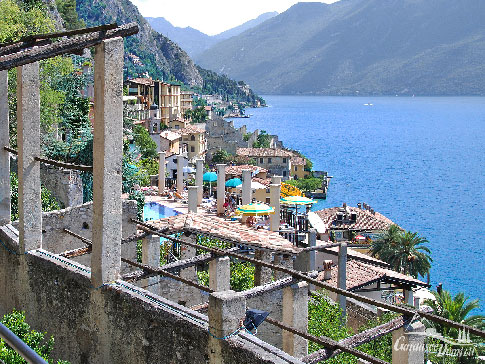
19	346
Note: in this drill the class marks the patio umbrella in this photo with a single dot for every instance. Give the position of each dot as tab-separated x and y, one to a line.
296	200
188	169
233	182
255	209
254	186
209	177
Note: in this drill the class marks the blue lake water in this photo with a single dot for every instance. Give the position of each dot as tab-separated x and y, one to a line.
419	161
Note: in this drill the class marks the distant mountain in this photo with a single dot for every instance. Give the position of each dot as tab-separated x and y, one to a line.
245	26
146	51
190	40
373	47
195	42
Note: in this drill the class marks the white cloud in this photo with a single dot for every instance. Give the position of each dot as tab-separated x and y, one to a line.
211	16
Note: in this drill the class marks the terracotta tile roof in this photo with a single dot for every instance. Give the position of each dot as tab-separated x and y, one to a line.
237	170
219	228
366	220
361	274
142	81
298	161
264	181
190	129
264	152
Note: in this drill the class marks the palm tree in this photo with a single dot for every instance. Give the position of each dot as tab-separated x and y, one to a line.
405	252
456	309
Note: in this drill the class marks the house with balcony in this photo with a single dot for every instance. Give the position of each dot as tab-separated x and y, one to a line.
276	161
298	168
194	138
186	98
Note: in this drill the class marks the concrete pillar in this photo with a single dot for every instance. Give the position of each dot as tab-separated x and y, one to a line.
295	314
107	161
342	276
187	252
262	275
199	179
28	141
408	344
226	309
220	274
4	155
221	188
312	242
275	190
192	203
180	174
246	187
161	172
151	256
276	180
285	261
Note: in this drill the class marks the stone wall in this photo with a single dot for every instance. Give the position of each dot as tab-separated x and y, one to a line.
117	323
222	135
78	219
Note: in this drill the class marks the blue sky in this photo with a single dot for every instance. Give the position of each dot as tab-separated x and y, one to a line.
211	16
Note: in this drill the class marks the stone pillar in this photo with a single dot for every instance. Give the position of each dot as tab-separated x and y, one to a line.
192	201
408	344
284	260
262	275
221	188
161	172
295	314
4	155
275	190
312	242
28	141
246	187
107	161
187	252
220	274
151	256
226	309
199	179
180	174
342	277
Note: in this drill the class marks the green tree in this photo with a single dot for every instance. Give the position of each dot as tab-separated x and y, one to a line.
15	321
306	184
199	115
147	147
221	156
70	19
263	140
404	251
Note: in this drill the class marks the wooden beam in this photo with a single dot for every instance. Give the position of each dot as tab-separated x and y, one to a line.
65	46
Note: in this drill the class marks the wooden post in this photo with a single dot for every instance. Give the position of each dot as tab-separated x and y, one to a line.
107	161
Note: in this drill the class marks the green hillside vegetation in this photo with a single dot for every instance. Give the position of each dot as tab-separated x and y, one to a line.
361	47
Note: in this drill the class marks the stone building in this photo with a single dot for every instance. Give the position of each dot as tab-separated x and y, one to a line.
222	135
277	161
194	138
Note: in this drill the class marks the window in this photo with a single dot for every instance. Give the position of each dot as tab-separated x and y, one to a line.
284	160
177	126
260	160
269	160
284	173
192	137
268	200
192	149
296	168
268	190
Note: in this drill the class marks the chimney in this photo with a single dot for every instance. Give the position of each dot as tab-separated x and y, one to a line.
327	268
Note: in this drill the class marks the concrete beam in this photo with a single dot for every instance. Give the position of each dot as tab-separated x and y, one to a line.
150	255
180	174
246	187
4	155
295	314
221	188
28	141
107	161
408	344
192	201
275	191
199	176
220	274
161	172
226	309
342	277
